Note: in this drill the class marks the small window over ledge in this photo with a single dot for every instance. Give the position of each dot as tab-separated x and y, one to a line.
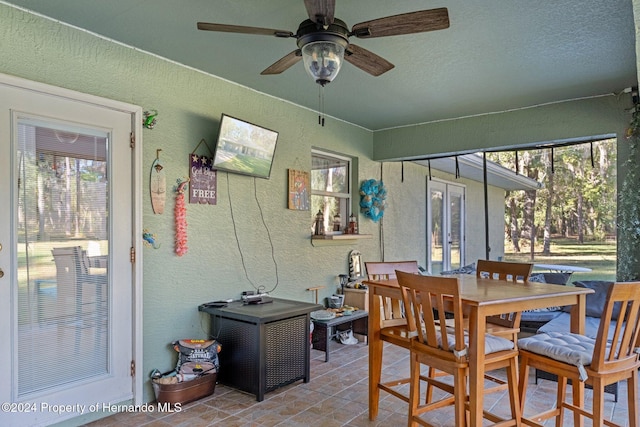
330	192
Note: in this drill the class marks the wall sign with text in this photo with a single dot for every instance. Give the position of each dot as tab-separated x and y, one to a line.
203	180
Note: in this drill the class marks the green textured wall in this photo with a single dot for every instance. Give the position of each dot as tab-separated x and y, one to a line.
190	104
584	118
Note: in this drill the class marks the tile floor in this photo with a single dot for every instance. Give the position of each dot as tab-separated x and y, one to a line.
335	396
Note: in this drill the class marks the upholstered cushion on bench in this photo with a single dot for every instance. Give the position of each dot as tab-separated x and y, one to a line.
562	324
540	315
595	307
467	269
555	278
596	300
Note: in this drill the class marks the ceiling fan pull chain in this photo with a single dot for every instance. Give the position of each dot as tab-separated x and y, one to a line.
321	105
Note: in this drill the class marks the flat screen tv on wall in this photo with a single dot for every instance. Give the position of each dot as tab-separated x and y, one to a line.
244	148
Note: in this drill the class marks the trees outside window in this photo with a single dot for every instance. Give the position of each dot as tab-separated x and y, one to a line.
578	200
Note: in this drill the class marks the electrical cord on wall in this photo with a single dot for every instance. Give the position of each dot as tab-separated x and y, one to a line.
273	252
212	334
382	218
258	288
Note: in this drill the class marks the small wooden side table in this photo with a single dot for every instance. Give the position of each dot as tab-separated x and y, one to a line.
325	330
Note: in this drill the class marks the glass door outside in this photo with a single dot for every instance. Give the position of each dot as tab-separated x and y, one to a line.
445	226
66	344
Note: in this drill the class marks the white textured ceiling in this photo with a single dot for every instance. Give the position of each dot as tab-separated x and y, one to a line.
497	55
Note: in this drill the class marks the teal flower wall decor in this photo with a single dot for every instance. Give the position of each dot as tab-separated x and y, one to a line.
373	195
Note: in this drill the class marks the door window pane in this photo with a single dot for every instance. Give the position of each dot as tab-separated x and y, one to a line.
437	231
456	230
62	233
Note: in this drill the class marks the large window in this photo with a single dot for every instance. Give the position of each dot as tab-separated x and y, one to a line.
330	188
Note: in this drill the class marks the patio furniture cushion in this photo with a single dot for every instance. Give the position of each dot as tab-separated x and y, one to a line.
596	301
566	347
542	315
562	324
467	269
493	344
537	277
595	307
555	278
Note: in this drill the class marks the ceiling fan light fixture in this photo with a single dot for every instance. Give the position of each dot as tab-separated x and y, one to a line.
323	60
323	48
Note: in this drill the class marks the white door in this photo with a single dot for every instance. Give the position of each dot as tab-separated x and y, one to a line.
66	233
445	226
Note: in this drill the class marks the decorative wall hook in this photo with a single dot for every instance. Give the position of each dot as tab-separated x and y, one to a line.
150	120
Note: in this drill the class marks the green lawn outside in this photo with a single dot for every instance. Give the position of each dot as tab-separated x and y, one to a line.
599	256
40	260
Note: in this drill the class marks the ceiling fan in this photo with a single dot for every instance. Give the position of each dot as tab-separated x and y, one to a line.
323	40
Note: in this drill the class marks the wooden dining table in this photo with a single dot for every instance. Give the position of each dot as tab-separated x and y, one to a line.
481	298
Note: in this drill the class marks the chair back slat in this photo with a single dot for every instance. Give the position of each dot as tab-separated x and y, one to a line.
386	270
622	312
499	270
517	272
428	299
391	310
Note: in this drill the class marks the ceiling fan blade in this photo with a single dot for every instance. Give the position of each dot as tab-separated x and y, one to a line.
206	26
283	63
406	23
367	61
321	11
